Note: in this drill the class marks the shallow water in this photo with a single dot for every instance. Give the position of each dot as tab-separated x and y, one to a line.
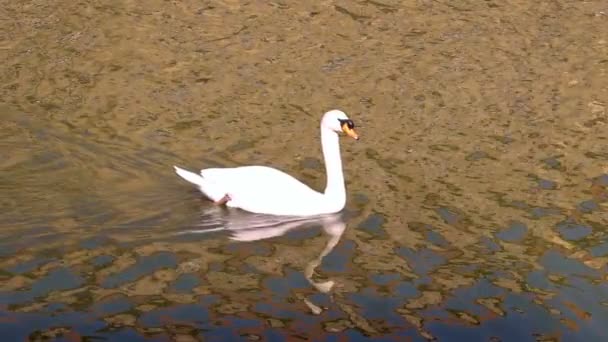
476	196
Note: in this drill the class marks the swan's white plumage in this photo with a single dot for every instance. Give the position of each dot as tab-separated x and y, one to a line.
207	186
262	189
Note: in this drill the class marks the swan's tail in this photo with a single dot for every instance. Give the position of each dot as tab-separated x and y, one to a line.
207	187
190	176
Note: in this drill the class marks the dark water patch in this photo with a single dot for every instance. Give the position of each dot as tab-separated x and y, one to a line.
282	286
553	163
503	201
405	289
233	323
517	204
465	299
489	244
554	262
588	206
94	242
144	266
249	269
185	283
516	231
321	299
468	268
311	163
546	184
586	311
373	225
384	278
31	326
58	279
348	214
339	259
8	249
110	306
29	266
521	311
102	260
196	315
601	180
429	232
540	212
573	231
448	215
538	279
436	239
360	199
599	250
421	261
299	235
56	307
575	302
496	274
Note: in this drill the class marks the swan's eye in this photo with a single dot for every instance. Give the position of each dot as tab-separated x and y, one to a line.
348	122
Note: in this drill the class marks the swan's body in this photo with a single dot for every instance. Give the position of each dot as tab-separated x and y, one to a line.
265	190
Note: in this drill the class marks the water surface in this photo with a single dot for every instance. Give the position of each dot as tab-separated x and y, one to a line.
476	196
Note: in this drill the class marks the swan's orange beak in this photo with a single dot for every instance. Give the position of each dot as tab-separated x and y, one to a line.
350	131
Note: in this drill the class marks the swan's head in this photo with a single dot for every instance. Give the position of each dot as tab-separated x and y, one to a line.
337	121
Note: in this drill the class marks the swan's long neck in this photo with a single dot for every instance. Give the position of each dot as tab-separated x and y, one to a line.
334	191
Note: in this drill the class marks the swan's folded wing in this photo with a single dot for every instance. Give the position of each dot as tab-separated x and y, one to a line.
263	189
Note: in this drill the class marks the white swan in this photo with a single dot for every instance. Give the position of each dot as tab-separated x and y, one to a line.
265	190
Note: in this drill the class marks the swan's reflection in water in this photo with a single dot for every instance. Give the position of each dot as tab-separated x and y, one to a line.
247	227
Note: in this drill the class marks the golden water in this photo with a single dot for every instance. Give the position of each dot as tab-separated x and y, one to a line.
476	196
